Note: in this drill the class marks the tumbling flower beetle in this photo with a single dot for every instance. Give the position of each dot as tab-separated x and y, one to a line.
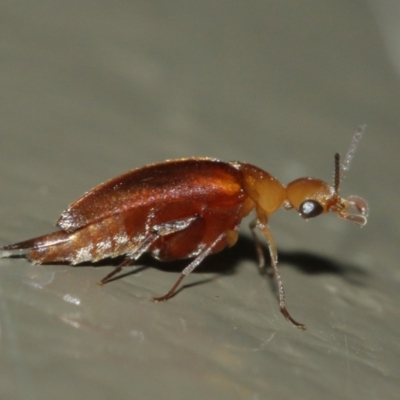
186	208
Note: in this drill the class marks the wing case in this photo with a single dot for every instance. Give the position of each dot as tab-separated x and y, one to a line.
209	182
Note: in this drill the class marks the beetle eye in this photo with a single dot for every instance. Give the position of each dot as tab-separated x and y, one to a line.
310	209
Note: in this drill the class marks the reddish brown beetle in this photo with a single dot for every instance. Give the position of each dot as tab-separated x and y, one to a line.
187	208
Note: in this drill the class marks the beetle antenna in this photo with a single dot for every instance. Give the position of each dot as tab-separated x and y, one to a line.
337	174
352	149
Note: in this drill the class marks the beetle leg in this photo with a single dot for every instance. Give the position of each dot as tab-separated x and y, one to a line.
206	251
131	258
115	271
274	263
260	253
156	232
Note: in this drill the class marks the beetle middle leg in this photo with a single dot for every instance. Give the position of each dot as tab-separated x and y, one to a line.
156	232
206	251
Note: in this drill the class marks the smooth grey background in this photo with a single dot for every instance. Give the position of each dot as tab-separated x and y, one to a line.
89	90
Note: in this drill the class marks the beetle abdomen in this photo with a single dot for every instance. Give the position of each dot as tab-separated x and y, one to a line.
105	238
94	228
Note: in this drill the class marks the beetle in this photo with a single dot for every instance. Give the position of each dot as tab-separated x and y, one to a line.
185	208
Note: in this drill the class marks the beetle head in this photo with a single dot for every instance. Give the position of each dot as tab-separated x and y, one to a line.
312	197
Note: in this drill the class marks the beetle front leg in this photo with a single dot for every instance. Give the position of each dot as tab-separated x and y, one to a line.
259	250
263	227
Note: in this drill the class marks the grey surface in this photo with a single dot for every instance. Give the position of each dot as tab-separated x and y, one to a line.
90	90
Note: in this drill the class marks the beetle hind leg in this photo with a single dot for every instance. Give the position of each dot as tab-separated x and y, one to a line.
130	258
157	231
128	261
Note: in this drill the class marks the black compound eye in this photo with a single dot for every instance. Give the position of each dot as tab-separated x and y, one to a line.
310	209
